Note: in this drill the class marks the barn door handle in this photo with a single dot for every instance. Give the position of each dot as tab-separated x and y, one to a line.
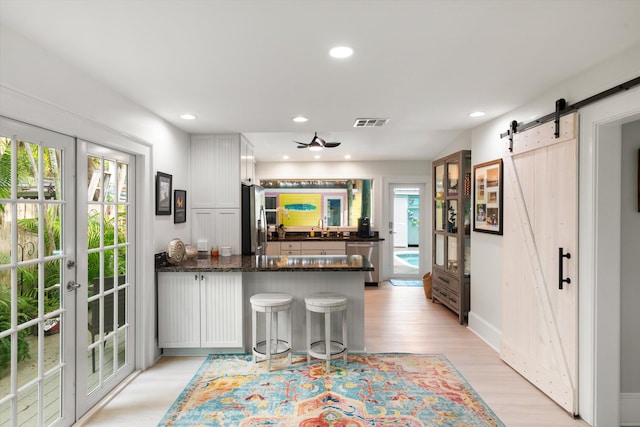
561	279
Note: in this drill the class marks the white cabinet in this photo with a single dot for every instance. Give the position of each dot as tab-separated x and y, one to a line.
178	310
289	248
273	248
247	161
200	310
322	248
221	227
215	171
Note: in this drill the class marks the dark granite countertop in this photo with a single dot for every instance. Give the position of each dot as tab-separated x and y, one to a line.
239	263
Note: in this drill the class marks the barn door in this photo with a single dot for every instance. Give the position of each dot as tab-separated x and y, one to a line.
540	260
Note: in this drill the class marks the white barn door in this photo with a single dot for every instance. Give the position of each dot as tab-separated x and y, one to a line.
539	304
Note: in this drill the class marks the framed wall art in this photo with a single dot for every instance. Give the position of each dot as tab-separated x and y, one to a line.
179	206
163	193
487	197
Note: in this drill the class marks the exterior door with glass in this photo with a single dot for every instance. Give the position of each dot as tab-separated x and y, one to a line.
105	320
37	276
405	238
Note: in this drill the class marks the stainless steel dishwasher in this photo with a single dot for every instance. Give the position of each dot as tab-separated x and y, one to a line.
371	250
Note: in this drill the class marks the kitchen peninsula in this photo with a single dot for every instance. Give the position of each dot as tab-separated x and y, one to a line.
203	304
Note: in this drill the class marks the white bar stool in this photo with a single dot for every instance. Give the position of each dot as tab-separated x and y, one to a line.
272	347
327	349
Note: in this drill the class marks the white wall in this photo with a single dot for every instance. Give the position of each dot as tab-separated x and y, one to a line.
629	265
41	89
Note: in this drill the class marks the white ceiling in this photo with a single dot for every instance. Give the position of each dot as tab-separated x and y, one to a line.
249	66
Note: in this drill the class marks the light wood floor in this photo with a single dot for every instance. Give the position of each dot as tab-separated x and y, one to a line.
397	319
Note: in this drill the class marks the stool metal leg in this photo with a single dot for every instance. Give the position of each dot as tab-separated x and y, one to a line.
289	332
308	336
268	319
327	339
254	323
344	334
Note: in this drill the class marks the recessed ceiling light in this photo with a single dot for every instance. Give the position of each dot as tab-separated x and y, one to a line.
187	116
300	119
285	157
347	156
477	114
341	52
317	156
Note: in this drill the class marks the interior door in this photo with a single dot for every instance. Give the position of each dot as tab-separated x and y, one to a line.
540	283
405	236
37	309
105	241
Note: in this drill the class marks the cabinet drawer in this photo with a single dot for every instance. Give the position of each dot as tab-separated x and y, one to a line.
285	252
289	246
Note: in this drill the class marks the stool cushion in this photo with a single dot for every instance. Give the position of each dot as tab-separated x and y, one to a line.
270	300
326	299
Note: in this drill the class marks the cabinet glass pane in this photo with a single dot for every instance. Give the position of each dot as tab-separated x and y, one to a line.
440	250
452	254
439	179
452	216
439	216
453	174
467	256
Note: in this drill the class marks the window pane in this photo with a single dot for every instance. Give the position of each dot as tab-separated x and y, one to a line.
52	229
122	224
123	182
109	180
94	233
93	174
52	177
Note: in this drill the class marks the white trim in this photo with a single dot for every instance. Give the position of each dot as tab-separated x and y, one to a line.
630	409
485	331
599	267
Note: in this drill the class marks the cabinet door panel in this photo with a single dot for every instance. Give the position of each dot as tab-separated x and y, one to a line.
178	316
221	310
215	171
227	229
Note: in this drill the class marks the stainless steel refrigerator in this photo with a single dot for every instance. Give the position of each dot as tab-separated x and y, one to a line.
254	221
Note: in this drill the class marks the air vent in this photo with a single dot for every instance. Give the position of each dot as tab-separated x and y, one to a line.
370	123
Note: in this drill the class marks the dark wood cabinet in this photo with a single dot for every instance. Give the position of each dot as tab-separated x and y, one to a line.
452	219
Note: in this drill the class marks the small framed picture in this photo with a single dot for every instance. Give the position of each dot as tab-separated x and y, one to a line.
163	193
179	206
487	197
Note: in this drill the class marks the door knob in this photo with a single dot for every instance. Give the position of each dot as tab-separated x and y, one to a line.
71	285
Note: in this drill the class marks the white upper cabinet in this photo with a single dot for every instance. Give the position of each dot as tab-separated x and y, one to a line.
215	171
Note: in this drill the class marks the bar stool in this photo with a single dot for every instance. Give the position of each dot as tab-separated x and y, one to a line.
272	347
327	349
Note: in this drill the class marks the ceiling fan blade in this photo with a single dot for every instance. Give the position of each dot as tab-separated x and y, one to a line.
303	146
331	144
301	143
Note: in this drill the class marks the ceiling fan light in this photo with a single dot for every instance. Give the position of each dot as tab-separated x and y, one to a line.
315	147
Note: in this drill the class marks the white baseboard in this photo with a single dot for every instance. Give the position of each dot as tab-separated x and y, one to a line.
485	330
630	409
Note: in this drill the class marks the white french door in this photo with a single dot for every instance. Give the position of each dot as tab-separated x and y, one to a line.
105	295
37	276
540	259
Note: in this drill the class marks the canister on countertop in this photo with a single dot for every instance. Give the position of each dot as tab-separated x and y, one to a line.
225	250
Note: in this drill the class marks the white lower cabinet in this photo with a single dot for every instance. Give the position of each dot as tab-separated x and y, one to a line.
200	310
323	248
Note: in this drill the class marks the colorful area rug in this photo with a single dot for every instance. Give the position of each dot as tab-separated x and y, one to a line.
371	390
396	282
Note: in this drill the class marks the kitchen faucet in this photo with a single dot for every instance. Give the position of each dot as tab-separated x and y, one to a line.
321	225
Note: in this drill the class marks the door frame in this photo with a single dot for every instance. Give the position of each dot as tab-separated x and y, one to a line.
599	266
425	221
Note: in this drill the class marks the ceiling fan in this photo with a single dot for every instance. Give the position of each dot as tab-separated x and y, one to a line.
317	144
